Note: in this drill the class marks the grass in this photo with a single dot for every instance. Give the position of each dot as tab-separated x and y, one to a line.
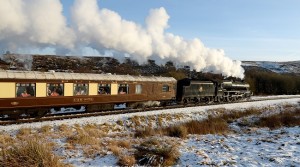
212	125
82	139
233	115
180	131
209	126
145	132
24	131
126	160
156	153
30	153
46	129
288	119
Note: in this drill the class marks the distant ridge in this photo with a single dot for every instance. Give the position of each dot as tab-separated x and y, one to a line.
291	67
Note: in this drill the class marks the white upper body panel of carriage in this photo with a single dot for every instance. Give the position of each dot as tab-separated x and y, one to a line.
37	75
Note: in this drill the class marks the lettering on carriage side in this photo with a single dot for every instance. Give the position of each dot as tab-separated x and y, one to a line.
14	103
79	100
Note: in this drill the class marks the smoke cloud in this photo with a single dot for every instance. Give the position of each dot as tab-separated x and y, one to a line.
38	24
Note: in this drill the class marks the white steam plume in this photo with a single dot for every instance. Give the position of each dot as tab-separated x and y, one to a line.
34	23
40	24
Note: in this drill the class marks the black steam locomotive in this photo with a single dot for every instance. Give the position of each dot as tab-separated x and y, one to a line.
195	91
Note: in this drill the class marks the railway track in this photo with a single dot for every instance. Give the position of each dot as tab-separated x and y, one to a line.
54	117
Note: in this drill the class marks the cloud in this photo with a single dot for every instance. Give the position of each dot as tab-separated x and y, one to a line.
34	23
38	24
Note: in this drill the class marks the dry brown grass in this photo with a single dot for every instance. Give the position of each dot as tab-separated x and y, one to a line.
93	130
233	115
113	146
209	126
145	132
5	139
212	125
156	153
180	131
288	119
120	122
136	120
160	120
24	131
46	129
126	160
124	144
65	130
30	153
82	139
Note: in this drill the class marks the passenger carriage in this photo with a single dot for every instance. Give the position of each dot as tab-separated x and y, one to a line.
35	93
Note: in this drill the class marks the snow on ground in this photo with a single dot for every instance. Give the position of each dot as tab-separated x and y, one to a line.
261	147
190	113
245	147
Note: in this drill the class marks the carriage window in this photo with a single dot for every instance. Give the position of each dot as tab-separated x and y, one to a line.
165	88
104	89
123	89
138	89
55	89
25	89
81	89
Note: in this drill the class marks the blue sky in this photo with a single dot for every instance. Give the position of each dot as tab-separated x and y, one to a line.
246	30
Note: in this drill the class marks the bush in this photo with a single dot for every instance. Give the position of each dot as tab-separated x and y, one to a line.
282	119
156	153
209	126
82	139
126	160
144	133
29	153
177	131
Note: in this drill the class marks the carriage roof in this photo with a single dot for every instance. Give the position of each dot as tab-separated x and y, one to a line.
51	75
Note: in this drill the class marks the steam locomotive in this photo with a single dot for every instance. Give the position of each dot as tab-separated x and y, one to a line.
34	94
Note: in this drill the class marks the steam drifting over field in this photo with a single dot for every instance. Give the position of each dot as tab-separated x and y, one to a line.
40	24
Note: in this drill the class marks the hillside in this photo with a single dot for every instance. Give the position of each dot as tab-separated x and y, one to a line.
112	65
289	67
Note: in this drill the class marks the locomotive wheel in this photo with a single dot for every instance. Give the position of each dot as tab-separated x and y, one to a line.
185	101
207	100
228	99
219	99
234	98
196	100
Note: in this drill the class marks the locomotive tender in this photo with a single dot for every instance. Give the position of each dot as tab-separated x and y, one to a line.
33	94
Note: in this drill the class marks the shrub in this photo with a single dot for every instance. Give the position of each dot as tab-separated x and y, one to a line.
115	149
126	160
124	144
156	153
45	129
233	115
209	126
176	131
82	139
29	153
144	133
282	119
24	131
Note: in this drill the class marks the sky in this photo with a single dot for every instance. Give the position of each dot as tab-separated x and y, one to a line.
246	30
209	36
